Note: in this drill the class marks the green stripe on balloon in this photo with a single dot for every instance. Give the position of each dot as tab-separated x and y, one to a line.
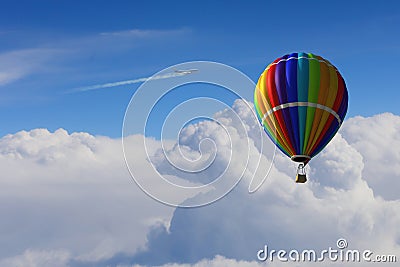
313	89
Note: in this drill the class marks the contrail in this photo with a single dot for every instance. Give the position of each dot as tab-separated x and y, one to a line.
139	80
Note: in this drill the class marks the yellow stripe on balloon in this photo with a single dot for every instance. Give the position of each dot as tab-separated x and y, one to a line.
270	121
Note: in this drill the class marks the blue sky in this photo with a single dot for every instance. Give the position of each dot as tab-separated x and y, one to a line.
49	47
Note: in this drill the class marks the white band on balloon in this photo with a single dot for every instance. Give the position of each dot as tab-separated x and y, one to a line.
302	104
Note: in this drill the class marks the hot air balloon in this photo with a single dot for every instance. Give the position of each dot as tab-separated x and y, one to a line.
301	100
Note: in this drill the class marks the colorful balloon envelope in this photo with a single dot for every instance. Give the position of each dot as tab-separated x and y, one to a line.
301	100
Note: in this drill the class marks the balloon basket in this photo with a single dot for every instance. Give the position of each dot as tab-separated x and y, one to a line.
301	178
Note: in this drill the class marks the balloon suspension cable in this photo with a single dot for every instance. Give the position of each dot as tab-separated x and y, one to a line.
301	176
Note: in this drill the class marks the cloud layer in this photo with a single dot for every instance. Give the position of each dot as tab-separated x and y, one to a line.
377	139
68	198
71	192
336	202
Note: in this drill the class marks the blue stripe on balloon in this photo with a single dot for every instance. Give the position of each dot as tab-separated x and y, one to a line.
343	107
291	89
280	81
302	95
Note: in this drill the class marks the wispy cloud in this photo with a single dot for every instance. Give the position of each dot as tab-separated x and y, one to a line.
10	76
15	65
18	64
140	33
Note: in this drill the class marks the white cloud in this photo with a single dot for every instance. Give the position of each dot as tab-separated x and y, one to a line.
60	259
68	198
218	261
227	147
73	192
377	138
38	258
